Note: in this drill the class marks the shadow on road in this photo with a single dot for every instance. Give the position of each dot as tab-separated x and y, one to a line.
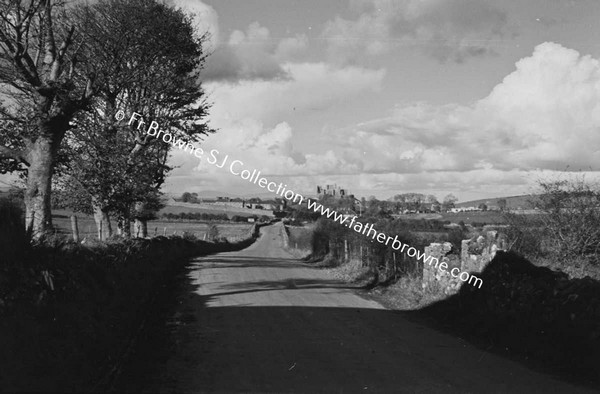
190	347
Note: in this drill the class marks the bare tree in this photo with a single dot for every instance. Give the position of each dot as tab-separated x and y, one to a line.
572	217
42	88
565	233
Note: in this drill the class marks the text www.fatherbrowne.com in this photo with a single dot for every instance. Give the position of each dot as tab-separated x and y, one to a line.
236	168
381	237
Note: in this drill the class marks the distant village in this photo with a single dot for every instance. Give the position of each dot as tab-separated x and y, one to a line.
401	204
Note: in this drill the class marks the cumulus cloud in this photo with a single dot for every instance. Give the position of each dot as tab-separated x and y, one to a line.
314	86
253	54
249	115
544	115
452	30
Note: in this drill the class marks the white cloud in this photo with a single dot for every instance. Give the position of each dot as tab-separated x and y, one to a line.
445	29
246	114
292	48
253	55
308	86
544	115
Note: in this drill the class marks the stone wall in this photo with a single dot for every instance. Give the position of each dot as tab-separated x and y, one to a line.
474	256
436	279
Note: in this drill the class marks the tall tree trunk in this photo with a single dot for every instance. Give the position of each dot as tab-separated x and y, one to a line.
38	214
102	220
124	227
41	153
140	223
140	227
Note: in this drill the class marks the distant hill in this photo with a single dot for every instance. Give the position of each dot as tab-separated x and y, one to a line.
513	202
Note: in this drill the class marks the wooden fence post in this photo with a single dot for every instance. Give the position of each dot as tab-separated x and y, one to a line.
74	228
345	250
361	256
165	232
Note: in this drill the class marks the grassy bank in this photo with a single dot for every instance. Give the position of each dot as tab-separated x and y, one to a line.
68	311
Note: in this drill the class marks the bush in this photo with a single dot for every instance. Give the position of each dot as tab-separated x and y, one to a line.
301	238
239	219
189	236
13	237
213	232
567	229
456	236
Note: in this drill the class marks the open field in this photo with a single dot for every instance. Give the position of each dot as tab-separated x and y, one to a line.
87	227
489	217
231	231
179	207
512	202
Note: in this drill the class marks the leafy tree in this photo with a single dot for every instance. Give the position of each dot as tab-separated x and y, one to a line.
483	207
449	201
502	204
186	197
213	232
431	199
159	79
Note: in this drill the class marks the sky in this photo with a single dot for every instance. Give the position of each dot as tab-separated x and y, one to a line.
472	97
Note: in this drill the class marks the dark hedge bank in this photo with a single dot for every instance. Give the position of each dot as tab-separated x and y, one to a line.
69	311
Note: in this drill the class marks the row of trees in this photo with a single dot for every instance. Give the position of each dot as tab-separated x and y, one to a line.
419	201
65	72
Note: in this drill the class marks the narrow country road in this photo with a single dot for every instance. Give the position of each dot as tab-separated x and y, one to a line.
257	320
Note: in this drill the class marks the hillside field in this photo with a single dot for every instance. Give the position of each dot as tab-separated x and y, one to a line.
513	202
87	227
488	217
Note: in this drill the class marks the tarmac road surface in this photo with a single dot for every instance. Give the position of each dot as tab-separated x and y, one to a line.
258	320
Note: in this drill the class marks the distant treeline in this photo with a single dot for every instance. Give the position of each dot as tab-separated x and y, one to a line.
195	216
211	217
